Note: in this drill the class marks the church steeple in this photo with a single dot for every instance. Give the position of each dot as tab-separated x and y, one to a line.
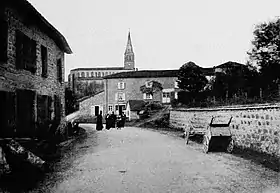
129	55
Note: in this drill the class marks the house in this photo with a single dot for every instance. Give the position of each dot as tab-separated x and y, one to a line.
133	107
82	78
31	70
147	85
92	105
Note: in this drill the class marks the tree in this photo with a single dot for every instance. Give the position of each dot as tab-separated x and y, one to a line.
265	53
70	101
191	78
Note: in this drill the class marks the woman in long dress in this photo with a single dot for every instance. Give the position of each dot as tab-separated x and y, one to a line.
99	125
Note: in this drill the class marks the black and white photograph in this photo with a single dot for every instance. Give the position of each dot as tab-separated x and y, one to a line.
139	96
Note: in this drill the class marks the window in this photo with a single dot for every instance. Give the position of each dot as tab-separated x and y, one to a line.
25	52
57	107
59	70
147	96
166	97
44	58
44	110
110	108
102	74
87	74
120	96
121	85
3	39
92	74
176	85
83	74
106	73
98	74
176	95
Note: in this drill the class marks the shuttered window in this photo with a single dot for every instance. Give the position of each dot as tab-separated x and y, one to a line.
25	52
59	70
3	37
44	110
121	85
44	59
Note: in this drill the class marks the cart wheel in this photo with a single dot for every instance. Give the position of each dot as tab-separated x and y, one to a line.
205	144
230	146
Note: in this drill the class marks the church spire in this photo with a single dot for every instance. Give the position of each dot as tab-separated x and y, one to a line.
128	45
129	55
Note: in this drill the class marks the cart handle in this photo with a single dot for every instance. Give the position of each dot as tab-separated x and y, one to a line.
230	120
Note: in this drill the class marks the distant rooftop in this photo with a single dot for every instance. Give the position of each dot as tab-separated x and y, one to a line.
98	68
144	73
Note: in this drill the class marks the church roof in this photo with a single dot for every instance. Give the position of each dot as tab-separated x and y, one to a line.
101	68
144	74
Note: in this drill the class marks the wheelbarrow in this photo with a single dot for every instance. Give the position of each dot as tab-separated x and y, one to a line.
218	135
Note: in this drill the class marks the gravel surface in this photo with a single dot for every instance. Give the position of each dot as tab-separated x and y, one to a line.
141	160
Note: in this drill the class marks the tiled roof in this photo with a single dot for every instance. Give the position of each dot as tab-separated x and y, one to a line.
25	8
87	97
136	105
101	68
144	73
229	64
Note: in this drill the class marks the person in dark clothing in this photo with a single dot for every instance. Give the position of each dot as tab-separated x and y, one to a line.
113	119
123	118
119	122
99	125
108	121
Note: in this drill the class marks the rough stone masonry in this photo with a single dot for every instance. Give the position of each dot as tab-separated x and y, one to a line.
255	127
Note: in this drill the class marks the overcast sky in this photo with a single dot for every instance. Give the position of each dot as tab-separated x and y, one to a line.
165	33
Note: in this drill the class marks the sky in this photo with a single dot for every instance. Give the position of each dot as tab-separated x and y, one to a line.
165	33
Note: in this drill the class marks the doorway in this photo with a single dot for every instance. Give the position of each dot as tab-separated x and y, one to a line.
96	110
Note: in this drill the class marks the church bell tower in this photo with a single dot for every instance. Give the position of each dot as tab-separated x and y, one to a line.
129	63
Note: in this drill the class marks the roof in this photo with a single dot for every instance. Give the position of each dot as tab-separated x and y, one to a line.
33	17
101	68
229	64
136	105
87	97
144	74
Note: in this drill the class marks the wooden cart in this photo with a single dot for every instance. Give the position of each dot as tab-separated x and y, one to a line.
218	135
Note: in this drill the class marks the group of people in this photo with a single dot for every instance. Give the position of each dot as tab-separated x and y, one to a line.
112	121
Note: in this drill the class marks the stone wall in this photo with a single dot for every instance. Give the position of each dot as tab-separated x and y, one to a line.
255	127
86	107
12	79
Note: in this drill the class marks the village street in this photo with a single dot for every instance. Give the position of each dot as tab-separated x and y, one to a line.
139	160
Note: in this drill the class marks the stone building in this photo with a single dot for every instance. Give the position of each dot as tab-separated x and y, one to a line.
31	70
92	105
90	80
149	85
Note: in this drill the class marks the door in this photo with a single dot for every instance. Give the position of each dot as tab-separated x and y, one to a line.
96	110
7	111
25	113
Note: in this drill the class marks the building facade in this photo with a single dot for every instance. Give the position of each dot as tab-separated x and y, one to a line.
83	80
31	70
92	105
153	85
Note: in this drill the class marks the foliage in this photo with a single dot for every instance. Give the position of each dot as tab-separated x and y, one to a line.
265	53
156	86
70	101
235	81
191	78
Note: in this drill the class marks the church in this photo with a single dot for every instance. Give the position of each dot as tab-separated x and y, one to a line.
81	80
